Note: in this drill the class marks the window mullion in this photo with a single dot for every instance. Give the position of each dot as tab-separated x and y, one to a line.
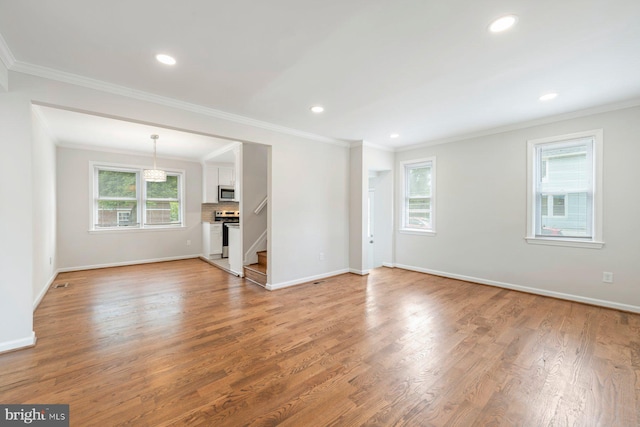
142	200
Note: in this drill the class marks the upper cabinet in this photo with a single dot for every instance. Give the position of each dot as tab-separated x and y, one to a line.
219	173
210	185
226	176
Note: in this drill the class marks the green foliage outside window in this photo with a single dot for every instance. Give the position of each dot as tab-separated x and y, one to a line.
117	184
118	197
163	190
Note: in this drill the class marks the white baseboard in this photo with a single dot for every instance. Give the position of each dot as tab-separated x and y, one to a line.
125	263
360	272
388	264
44	290
536	291
19	343
273	287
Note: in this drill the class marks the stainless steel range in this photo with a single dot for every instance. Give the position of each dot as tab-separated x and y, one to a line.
226	217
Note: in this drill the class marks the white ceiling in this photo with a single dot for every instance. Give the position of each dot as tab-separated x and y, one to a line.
73	129
428	70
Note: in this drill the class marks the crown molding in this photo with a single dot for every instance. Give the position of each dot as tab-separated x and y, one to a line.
630	103
78	80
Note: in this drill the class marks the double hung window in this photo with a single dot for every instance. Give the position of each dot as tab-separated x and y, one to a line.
564	190
123	200
418	205
162	202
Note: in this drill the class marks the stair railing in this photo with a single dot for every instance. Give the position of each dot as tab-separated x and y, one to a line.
261	206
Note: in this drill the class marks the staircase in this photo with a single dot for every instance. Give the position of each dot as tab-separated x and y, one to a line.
257	273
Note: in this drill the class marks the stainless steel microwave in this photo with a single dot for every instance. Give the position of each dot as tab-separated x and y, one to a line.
226	192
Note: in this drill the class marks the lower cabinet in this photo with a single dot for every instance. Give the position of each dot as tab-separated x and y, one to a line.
216	239
212	240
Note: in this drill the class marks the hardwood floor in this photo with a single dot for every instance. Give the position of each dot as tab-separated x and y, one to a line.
183	343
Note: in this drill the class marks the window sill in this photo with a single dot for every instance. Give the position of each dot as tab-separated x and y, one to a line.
572	243
417	232
136	229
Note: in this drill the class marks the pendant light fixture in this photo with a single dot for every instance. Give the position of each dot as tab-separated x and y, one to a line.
154	175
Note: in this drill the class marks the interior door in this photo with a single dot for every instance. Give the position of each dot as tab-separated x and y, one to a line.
370	238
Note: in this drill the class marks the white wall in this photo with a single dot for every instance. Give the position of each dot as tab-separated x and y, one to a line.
78	248
481	216
358	179
254	190
16	222
376	159
4	77
44	209
309	202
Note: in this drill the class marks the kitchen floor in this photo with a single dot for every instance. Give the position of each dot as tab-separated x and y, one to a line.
222	263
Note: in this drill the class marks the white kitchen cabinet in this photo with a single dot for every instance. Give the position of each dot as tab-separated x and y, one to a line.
215	175
216	240
211	240
210	185
226	176
206	239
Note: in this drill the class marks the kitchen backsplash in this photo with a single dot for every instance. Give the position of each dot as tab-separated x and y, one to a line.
208	209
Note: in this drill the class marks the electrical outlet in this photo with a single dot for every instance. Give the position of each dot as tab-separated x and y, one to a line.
607	277
321	256
188	242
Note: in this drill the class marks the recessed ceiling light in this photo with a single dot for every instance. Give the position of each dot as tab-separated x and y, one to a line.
548	96
317	108
503	23
394	135
166	59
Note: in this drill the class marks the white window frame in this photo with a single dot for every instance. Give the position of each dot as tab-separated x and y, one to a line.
145	210
596	241
545	178
141	198
404	166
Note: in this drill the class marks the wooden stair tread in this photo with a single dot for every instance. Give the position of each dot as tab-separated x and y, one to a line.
258	268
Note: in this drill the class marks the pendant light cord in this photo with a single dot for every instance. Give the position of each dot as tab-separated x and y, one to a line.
155	140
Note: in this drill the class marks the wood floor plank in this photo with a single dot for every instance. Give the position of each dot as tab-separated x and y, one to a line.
183	343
